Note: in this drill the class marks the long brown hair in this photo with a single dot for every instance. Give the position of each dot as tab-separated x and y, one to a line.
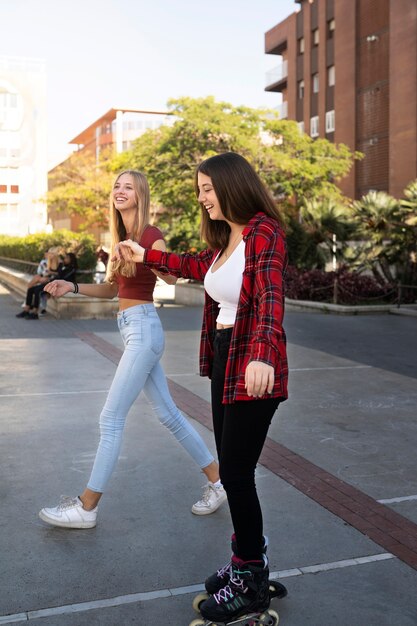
240	192
117	228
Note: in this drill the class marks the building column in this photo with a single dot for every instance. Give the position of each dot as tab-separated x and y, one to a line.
402	110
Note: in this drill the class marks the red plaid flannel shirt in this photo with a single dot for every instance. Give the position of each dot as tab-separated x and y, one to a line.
258	334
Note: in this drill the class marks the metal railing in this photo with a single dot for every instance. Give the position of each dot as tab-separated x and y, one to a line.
277	73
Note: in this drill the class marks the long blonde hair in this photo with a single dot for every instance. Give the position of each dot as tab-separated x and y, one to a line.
53	259
117	228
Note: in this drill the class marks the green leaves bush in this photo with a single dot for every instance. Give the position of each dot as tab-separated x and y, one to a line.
32	247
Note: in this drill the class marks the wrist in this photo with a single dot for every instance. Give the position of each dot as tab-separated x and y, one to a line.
76	289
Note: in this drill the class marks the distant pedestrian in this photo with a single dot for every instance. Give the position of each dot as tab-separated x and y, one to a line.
139	368
243	351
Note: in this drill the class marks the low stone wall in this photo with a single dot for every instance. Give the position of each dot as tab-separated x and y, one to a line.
189	294
71	306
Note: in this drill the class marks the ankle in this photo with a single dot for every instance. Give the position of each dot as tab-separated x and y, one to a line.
87	505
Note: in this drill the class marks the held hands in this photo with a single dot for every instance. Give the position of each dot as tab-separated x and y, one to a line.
128	251
58	288
259	378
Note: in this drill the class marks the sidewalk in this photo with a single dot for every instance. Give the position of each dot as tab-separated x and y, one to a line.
337	479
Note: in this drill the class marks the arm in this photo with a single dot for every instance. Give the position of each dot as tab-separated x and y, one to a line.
168	278
58	288
268	292
180	265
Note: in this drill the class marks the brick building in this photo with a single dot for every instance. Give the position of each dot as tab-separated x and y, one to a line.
349	73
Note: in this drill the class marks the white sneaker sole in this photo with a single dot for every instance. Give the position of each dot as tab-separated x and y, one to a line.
206	511
75	525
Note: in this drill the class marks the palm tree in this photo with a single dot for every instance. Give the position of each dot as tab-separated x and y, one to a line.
326	220
383	228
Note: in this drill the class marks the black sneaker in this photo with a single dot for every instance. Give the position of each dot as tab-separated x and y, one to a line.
32	316
22	314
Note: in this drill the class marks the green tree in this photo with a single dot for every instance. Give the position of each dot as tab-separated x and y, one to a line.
321	220
291	164
388	230
80	186
301	168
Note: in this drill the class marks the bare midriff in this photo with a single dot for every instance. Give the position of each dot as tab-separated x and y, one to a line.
126	303
222	326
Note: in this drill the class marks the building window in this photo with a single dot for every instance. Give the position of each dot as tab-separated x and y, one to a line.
314	126
316	37
330	126
330	29
300	89
301	45
3	188
14	188
331	76
315	83
300	127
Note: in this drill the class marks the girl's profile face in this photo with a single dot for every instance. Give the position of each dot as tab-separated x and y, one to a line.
124	194
207	197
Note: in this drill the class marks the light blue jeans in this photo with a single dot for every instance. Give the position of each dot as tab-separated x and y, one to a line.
139	369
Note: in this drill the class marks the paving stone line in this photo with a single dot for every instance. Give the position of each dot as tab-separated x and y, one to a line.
389	529
177	591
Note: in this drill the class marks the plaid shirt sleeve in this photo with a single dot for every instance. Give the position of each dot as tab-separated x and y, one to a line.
271	258
181	265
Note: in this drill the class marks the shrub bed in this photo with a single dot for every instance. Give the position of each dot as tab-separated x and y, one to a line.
351	288
32	247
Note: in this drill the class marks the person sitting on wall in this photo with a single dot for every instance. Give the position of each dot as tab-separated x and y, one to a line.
65	270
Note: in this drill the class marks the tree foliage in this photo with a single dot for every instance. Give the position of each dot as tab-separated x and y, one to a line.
388	231
80	186
291	164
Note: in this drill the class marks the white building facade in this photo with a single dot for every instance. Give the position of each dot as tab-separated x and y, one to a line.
23	146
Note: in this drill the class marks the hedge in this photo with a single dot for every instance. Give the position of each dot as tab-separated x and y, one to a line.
352	288
33	247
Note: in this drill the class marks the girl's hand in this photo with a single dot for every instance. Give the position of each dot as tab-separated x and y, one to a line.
259	378
129	251
58	288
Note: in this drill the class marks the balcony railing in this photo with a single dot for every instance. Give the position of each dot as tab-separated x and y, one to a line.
282	110
278	73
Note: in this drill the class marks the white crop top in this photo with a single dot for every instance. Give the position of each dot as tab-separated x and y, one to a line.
224	284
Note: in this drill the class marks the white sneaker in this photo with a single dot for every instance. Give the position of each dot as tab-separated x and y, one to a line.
69	513
212	498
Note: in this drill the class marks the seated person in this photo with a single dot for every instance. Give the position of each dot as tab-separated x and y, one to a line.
36	285
66	272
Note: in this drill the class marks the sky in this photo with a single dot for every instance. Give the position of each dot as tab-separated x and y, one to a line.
101	54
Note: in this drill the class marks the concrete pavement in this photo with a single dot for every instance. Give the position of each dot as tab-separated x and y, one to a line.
337	479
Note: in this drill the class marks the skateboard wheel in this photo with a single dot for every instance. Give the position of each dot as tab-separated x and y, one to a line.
198	601
277	590
270	618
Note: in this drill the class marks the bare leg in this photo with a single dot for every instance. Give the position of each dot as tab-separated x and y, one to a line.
90	499
212	472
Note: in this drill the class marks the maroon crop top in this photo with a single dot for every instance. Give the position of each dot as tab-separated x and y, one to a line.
141	286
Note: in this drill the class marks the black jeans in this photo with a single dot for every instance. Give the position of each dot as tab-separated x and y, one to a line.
240	430
33	295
